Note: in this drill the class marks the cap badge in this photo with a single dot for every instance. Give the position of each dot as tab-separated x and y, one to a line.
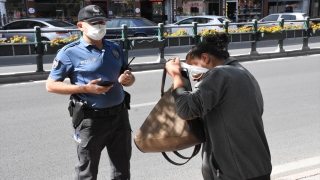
115	53
96	9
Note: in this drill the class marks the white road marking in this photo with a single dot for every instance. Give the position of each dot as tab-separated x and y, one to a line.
143	104
295	165
276	59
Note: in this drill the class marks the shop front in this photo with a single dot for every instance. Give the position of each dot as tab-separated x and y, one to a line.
12	10
314	10
159	11
279	6
66	10
236	10
249	10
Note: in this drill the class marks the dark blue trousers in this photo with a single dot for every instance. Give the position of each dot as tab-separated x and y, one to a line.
96	133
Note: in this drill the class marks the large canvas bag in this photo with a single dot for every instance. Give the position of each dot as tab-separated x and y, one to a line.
164	131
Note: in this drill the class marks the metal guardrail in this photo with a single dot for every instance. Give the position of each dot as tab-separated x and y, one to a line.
160	41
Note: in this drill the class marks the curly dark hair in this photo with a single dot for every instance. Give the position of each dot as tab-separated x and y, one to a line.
215	45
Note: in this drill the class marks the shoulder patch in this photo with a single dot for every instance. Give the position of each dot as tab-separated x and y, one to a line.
55	63
115	53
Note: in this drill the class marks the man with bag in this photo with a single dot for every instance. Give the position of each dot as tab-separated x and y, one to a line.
99	105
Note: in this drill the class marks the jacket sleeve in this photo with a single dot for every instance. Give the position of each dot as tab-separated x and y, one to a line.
208	94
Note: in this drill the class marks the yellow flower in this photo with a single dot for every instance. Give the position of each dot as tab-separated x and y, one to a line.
272	29
315	27
58	40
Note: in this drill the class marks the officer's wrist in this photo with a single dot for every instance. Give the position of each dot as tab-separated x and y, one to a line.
84	89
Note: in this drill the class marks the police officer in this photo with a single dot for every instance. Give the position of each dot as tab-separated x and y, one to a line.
104	122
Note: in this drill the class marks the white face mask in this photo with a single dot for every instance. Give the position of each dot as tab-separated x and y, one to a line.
96	32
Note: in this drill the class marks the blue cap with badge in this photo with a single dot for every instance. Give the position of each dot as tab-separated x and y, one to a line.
92	14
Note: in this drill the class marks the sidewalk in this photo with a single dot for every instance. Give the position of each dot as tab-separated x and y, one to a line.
308	175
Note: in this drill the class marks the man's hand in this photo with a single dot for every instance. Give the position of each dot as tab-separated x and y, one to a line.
126	79
93	88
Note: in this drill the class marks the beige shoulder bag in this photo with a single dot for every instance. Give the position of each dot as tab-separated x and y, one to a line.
164	131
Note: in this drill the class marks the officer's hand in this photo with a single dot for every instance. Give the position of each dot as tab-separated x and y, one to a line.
93	88
126	78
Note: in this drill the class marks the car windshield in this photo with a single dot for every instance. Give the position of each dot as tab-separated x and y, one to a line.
224	19
59	23
148	23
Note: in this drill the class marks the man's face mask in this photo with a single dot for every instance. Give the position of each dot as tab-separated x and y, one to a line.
96	32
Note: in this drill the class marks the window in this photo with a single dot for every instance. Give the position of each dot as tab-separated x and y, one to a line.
187	21
194	10
288	17
58	9
59	23
32	24
121	8
248	10
271	18
203	20
147	22
126	21
15	25
112	24
224	19
15	10
132	24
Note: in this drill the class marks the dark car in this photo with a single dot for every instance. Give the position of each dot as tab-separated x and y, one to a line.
135	23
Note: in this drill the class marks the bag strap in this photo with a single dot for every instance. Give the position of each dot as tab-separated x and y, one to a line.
196	147
164	74
194	153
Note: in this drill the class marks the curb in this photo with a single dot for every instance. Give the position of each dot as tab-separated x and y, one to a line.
36	76
301	176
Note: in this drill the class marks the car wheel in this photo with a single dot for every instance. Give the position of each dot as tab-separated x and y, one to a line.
140	35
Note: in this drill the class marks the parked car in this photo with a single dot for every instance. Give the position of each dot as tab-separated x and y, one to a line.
208	20
273	18
44	24
135	23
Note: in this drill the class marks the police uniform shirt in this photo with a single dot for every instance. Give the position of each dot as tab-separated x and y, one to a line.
83	62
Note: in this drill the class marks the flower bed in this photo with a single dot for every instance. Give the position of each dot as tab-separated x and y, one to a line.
63	41
58	43
240	34
270	33
17	45
207	32
180	38
294	31
315	30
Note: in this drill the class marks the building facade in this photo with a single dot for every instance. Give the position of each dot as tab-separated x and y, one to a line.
166	11
314	10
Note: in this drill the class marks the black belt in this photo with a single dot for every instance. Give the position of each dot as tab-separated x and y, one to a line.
104	112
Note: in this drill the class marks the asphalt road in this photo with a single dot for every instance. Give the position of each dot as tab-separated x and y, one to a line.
37	143
28	63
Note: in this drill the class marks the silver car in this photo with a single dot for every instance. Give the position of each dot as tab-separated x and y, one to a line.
44	24
207	20
273	18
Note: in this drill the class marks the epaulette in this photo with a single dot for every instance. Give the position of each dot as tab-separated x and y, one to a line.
111	42
71	45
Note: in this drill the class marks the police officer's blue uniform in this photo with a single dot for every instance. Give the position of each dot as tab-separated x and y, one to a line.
82	63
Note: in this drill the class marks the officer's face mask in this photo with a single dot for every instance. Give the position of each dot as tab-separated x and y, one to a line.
97	31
